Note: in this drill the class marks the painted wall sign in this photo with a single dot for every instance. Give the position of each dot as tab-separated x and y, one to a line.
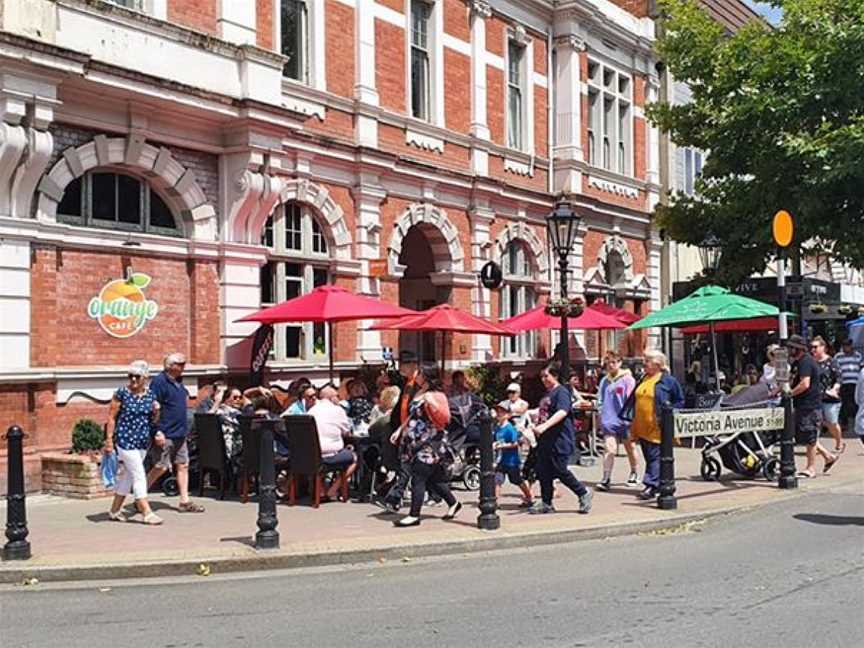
121	307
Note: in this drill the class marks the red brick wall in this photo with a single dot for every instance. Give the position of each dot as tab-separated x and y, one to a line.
64	281
200	15
495	102
390	66
457	19
337	124
638	8
339	44
457	91
264	24
541	122
537	182
396	5
495	30
392	139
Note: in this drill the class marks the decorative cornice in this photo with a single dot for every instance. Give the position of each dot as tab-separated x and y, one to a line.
481	9
573	41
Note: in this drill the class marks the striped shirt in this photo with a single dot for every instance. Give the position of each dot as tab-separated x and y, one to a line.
849	366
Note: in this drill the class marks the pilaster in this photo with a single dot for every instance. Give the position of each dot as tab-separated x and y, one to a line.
368	196
481	218
567	147
480	11
365	89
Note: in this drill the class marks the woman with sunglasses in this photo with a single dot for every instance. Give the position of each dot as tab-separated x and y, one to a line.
133	409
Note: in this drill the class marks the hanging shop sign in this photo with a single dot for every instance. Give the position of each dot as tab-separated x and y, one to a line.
491	276
121	308
709	423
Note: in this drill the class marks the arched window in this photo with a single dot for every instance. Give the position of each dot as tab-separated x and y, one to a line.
298	261
112	200
517	295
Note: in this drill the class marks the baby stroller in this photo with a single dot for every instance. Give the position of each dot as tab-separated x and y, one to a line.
463	435
746	453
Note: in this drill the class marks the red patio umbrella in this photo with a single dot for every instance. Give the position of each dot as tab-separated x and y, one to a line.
327	304
620	314
537	318
444	318
737	326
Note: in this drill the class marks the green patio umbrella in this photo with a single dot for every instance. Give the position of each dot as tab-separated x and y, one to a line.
707	305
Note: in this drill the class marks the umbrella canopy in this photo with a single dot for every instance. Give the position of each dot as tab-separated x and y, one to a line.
327	304
618	313
738	326
443	318
537	318
709	304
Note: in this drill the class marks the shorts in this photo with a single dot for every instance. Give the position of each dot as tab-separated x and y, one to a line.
513	473
622	436
808	424
339	461
831	413
175	451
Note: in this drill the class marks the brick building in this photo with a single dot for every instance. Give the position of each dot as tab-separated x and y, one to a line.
191	160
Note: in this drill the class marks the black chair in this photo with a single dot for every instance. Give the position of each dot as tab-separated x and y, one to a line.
305	452
212	457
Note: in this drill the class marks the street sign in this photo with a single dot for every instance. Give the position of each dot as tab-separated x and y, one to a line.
783	228
491	276
693	424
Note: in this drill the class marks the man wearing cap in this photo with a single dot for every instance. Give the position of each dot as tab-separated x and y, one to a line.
807	399
169	441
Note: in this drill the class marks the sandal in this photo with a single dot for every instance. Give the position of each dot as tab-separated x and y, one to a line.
190	507
807	474
117	516
840	449
830	464
152	519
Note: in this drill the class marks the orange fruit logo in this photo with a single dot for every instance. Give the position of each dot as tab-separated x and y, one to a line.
121	307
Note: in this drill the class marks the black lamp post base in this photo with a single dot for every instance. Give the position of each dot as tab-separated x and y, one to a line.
267	540
17	550
667	502
788	482
488	521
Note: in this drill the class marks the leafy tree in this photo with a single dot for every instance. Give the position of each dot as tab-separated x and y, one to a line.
781	113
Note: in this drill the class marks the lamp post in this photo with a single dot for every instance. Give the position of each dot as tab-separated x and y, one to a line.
562	225
710	252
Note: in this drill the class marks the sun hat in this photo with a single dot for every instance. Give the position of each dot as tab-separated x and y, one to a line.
797	342
514	387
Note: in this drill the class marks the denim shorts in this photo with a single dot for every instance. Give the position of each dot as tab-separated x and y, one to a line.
831	412
808	424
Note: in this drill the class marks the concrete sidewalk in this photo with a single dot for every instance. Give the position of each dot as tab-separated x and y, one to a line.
74	540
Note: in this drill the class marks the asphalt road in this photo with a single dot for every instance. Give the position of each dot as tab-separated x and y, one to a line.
791	575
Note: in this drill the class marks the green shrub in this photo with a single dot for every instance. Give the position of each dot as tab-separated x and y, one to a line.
87	435
491	385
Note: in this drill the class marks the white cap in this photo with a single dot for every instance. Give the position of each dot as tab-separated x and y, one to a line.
514	387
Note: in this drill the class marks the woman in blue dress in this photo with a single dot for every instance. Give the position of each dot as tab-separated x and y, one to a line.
133	409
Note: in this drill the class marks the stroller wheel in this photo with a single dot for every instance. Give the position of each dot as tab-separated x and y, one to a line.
471	478
169	486
710	469
769	469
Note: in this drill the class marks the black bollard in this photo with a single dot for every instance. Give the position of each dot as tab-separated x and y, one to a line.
667	500
17	547
488	518
267	536
788	478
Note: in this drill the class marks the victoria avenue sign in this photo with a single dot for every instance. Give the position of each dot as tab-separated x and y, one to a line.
707	423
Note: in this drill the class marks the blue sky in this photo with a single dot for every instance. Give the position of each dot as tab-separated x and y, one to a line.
771	13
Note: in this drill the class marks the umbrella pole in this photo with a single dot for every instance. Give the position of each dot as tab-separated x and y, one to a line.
330	347
443	340
714	355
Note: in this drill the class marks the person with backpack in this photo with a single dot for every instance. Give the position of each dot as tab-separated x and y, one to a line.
423	447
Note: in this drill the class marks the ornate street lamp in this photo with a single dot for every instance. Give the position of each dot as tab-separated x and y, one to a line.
710	252
562	225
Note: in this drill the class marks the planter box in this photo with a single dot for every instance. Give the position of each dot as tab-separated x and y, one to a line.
73	475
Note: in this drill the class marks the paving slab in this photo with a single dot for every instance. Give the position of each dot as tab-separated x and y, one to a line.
73	540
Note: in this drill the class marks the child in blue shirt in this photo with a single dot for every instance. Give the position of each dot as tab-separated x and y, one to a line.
507	445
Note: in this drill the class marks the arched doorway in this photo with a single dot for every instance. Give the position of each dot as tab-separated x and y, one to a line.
417	289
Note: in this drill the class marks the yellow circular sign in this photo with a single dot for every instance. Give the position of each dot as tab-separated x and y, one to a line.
783	228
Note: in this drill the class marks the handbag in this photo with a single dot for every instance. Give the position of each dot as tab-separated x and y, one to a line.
108	468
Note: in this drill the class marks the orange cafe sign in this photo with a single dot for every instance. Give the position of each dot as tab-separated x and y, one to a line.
121	308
